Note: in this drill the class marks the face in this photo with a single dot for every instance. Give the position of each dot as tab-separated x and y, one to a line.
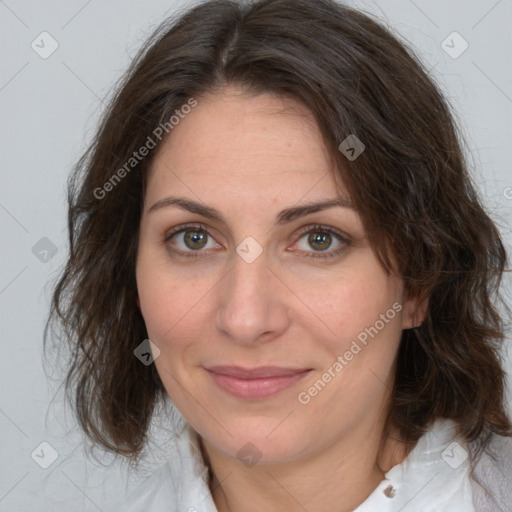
234	271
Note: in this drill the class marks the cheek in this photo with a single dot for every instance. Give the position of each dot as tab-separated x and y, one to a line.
155	299
172	306
363	312
363	299
164	308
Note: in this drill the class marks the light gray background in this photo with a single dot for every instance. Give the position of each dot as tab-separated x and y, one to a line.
49	109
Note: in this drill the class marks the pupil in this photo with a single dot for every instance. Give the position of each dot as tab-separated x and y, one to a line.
195	239
320	241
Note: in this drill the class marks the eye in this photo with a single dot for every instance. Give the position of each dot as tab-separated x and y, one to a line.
321	242
315	241
190	239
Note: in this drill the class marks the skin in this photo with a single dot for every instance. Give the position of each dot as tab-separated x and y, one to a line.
250	157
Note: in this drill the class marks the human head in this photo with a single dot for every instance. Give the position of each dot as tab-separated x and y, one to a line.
231	272
410	186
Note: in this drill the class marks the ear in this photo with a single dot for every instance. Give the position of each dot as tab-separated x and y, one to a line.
414	312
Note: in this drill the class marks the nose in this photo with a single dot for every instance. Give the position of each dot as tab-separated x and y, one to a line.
251	304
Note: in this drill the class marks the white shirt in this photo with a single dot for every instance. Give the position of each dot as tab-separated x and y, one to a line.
433	478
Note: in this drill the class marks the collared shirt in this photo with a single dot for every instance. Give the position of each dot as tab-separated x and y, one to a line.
434	477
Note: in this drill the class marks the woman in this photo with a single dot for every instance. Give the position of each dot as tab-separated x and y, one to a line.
276	230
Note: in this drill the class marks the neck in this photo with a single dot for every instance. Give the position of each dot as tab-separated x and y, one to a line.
339	478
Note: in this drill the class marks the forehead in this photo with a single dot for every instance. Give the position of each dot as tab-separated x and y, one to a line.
245	146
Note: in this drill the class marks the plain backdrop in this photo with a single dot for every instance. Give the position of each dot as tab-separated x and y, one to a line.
49	110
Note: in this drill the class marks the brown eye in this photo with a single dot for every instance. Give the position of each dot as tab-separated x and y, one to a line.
190	240
320	241
196	239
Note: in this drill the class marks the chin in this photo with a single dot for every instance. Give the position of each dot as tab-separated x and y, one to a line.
257	441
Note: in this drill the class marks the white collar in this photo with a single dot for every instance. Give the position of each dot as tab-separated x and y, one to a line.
434	476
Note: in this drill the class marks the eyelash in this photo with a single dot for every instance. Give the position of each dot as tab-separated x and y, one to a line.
303	231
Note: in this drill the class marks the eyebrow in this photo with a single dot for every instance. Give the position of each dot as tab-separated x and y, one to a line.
285	216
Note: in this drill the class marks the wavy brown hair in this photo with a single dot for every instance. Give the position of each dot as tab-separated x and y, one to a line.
411	187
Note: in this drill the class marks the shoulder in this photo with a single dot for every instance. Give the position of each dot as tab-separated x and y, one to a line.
434	477
181	485
155	494
492	479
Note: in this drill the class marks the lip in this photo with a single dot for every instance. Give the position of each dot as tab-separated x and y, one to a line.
255	383
257	372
